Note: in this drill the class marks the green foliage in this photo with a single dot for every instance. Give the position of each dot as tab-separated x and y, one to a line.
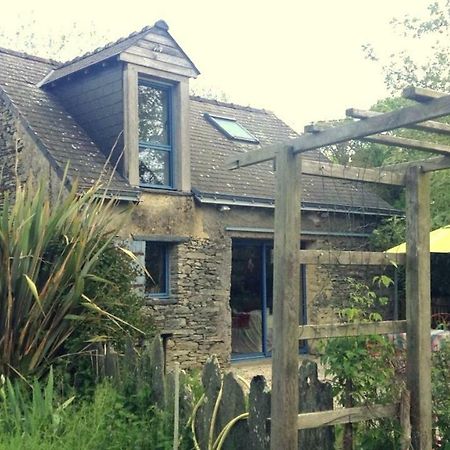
30	410
61	42
54	257
119	299
362	369
405	67
36	421
441	394
390	232
119	415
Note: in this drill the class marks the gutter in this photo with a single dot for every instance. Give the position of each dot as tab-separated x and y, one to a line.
230	200
302	233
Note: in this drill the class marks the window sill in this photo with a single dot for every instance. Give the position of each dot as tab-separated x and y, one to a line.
164	191
150	301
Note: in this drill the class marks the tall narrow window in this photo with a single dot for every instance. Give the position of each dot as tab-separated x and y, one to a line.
155	135
157	266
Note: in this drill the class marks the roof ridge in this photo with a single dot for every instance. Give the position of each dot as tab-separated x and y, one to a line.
24	55
104	47
229	104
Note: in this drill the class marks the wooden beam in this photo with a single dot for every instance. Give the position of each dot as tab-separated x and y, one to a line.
350	131
342	257
351	329
131	125
426	165
369	175
418	305
345	415
421	94
428	126
402	142
395	141
286	299
255	157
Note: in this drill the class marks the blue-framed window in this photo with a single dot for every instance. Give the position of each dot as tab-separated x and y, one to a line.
155	134
157	266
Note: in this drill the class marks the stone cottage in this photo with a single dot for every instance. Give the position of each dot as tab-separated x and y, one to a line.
203	232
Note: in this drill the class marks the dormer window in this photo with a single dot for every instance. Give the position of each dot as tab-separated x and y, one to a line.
155	135
231	128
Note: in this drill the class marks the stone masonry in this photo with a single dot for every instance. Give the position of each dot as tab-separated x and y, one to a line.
197	312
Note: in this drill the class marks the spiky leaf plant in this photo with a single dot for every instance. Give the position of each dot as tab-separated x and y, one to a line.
48	253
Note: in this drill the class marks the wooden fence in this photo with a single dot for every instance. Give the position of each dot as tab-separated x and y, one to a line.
231	414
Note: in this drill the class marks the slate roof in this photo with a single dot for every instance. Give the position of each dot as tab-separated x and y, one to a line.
63	140
108	51
255	184
54	130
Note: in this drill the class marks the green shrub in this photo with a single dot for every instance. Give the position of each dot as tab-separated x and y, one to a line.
33	419
362	369
58	277
441	393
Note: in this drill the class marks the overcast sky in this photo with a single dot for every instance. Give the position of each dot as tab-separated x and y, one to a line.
301	59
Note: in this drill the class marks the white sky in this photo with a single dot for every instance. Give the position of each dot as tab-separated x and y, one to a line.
301	59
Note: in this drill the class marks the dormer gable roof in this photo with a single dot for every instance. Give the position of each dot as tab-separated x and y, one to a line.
52	128
153	43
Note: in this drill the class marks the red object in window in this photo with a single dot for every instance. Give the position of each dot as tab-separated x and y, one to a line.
240	320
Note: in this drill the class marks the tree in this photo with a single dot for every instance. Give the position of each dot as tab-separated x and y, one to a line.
403	68
58	44
410	67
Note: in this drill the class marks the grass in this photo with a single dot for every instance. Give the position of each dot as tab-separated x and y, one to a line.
32	419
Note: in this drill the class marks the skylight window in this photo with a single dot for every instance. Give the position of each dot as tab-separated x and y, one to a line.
231	128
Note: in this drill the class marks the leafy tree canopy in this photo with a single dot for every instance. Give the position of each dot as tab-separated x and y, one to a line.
426	61
429	68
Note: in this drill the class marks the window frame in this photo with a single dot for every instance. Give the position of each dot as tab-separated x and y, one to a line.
169	149
166	267
212	120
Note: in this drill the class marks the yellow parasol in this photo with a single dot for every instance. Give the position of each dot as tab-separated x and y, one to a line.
439	242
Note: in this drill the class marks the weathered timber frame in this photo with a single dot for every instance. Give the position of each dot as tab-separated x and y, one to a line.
414	176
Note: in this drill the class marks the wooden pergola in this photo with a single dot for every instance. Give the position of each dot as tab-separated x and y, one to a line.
414	176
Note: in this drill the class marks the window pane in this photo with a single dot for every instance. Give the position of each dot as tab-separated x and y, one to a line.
233	128
155	263
154	115
154	167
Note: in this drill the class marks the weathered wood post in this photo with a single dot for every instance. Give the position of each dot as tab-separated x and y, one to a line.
176	407
418	302
286	296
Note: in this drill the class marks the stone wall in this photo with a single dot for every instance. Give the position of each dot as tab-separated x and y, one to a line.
328	288
197	312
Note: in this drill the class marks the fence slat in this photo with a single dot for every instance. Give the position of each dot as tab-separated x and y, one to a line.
349	258
259	412
314	395
346	415
350	329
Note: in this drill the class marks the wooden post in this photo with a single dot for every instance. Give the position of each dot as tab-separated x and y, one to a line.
286	294
405	421
176	407
418	305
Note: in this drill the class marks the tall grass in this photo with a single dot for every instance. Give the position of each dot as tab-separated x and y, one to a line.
31	418
48	252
